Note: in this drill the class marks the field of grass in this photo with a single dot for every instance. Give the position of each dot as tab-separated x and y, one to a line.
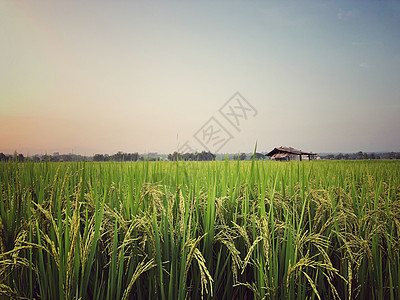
192	230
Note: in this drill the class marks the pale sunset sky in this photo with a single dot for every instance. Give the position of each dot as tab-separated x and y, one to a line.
150	76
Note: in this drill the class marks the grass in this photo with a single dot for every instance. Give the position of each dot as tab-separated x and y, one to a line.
200	230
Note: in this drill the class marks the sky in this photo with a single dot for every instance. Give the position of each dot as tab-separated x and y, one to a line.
92	77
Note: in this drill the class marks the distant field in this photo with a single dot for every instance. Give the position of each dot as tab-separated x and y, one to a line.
187	230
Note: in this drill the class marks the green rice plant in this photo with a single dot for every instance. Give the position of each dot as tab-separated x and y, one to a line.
215	230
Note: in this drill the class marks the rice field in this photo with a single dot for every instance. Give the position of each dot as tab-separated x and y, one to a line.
200	230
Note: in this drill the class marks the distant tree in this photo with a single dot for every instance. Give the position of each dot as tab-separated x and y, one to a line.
134	156
54	158
391	155
330	156
3	157
118	156
35	158
242	156
189	156
347	156
258	156
19	157
339	156
69	157
360	155
365	155
207	156
174	156
202	156
98	157
131	156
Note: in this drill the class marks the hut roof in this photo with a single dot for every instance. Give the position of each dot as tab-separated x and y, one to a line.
288	150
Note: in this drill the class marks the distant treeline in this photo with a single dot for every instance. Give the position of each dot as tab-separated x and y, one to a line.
363	155
202	156
119	156
198	156
45	157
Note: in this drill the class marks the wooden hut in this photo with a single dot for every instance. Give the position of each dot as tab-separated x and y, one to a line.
289	153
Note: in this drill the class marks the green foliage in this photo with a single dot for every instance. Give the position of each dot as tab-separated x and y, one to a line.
195	230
